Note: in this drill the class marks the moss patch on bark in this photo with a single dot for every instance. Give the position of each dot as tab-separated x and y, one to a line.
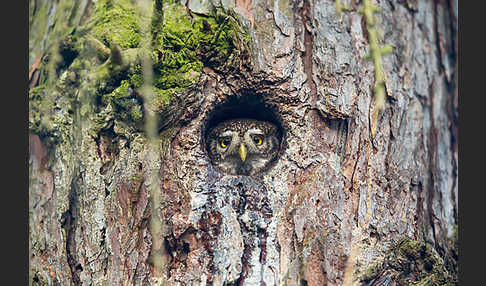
105	55
410	262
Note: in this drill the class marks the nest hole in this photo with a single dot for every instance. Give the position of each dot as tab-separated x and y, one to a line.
243	107
247	106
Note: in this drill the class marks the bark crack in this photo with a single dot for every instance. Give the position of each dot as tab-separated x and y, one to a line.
437	38
263	253
441	244
307	55
356	163
69	225
441	49
342	137
452	104
432	147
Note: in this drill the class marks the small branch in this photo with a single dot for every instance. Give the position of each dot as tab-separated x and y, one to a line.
376	52
157	20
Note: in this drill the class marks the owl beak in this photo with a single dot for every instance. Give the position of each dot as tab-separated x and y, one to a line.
242	152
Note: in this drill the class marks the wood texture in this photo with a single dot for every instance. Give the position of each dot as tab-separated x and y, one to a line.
336	198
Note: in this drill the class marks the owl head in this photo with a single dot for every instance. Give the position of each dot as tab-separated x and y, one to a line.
243	146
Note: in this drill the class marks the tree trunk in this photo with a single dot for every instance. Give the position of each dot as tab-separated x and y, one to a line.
344	204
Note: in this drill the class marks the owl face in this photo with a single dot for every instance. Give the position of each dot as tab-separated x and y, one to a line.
243	146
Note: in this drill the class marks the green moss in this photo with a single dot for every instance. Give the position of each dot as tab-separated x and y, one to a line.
136	113
36	278
116	24
162	96
122	91
411	262
186	44
105	57
37	92
183	44
36	96
411	249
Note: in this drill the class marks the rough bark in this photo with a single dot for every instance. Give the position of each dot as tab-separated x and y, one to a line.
338	201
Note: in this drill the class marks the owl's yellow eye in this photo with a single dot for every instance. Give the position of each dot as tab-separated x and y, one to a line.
224	142
258	139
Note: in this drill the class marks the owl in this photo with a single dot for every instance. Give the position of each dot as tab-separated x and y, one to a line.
243	146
